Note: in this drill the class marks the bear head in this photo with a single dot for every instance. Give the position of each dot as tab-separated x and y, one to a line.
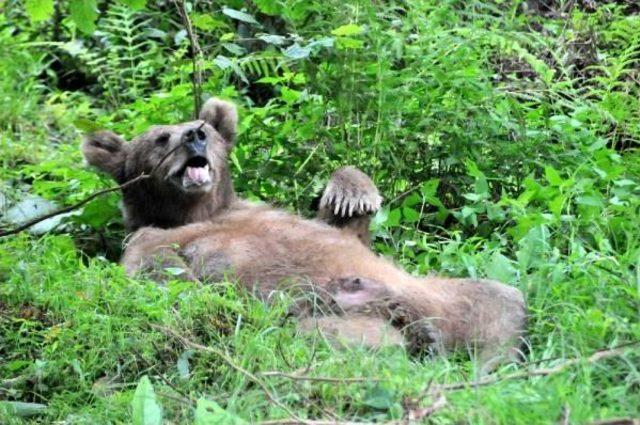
188	176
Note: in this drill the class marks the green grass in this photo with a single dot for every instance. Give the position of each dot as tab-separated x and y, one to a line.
80	333
504	145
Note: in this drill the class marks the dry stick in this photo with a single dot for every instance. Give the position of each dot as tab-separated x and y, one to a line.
319	422
196	55
595	357
319	378
229	361
91	197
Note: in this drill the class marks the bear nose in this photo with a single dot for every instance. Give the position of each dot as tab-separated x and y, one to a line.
195	140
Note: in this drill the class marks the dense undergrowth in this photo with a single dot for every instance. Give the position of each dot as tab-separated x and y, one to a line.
503	134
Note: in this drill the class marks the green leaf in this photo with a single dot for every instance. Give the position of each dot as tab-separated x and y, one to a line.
272	39
269	7
501	268
347	30
552	175
183	364
379	398
349	43
295	51
84	13
146	410
39	10
474	197
238	15
174	271
205	21
429	188
22	409
410	215
533	247
134	4
208	412
556	204
223	62
86	125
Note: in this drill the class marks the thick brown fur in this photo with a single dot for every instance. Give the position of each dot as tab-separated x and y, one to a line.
211	234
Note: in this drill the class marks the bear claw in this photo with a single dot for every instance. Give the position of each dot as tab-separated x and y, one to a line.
350	192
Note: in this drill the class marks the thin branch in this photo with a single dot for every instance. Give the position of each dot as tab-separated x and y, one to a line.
594	358
91	197
229	361
420	413
318	378
196	55
318	422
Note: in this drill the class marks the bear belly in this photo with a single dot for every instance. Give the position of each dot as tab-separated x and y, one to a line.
267	248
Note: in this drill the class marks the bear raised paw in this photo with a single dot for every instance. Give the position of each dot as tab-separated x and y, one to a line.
187	214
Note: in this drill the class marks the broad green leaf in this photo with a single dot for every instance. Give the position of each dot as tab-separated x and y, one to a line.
84	13
410	215
208	412
174	271
533	247
429	188
347	30
223	62
134	4
33	207
593	200
552	175
379	398
86	125
272	39
21	409
556	204
349	43
269	7
474	197
238	15
501	268
234	49
393	219
183	364
295	51
39	10
205	21
322	42
289	95
146	410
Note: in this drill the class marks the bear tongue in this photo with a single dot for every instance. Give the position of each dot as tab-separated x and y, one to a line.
198	175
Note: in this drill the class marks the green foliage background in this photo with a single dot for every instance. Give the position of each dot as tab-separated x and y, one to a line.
503	134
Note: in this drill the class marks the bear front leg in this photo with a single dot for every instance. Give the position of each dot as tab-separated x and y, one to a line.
349	201
150	252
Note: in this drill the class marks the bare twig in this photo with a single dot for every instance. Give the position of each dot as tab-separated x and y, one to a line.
594	358
420	413
565	415
229	361
296	377
617	421
319	422
196	56
89	198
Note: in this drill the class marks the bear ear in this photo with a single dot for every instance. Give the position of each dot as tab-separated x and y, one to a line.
106	151
223	116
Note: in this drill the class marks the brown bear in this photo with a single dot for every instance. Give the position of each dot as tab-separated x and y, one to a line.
186	215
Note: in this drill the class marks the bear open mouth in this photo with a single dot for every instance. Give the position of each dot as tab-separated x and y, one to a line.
196	172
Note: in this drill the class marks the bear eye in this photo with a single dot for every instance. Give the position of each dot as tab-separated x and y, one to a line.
163	139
